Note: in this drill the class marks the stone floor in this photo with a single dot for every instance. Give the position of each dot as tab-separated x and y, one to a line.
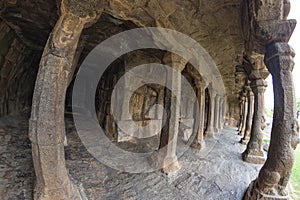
16	167
216	172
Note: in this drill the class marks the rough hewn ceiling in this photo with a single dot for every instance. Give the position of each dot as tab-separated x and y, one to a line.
215	25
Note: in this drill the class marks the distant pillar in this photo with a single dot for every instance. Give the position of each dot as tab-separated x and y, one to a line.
199	142
245	114
216	115
210	131
247	134
254	152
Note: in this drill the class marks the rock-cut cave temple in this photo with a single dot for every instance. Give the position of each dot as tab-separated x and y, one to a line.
176	113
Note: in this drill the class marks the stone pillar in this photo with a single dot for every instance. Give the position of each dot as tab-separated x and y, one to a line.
216	114
169	133
220	113
199	142
254	152
223	111
210	131
242	110
46	127
249	118
274	175
273	31
245	113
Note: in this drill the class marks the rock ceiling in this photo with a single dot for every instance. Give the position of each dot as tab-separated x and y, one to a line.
215	24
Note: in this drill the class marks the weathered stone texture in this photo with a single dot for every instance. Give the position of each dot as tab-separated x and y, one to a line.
18	69
222	40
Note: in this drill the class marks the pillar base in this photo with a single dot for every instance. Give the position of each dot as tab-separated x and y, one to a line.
240	133
66	192
198	145
210	134
253	193
256	158
171	168
244	141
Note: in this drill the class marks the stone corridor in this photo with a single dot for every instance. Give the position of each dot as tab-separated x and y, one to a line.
146	75
215	173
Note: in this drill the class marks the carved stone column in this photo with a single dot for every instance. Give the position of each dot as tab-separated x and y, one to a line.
210	131
242	113
216	115
220	127
47	128
223	111
270	34
247	134
274	175
245	113
169	133
254	152
199	142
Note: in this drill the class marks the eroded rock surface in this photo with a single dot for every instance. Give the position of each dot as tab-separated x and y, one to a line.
213	173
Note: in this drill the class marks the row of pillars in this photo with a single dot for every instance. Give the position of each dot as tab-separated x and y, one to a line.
270	34
252	120
47	129
274	176
215	121
216	116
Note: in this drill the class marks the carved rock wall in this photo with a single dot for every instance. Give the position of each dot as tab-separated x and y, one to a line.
216	26
18	68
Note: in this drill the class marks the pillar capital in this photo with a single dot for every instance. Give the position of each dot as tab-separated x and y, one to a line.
242	98
201	84
250	92
175	61
212	93
259	85
88	12
282	54
259	72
